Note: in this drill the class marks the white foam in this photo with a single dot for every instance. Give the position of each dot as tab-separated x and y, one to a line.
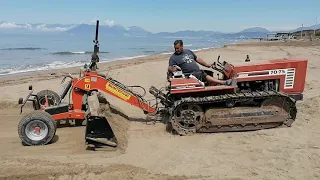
131	57
79	52
51	66
58	65
61	65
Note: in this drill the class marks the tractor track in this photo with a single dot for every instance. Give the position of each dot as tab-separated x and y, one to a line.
237	97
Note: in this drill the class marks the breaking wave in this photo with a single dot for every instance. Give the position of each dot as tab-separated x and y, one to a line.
23	49
149	52
30	68
56	65
62	64
76	53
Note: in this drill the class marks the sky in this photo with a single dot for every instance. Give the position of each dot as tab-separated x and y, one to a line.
168	15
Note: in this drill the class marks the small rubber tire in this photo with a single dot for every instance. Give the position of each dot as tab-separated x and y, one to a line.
50	94
42	117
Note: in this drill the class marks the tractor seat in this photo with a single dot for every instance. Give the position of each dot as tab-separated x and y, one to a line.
178	74
61	108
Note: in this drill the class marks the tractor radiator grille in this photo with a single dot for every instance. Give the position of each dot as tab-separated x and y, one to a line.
289	82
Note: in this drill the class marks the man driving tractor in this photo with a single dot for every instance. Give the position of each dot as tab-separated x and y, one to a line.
187	61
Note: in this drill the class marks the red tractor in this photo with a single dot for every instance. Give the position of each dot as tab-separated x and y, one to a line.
263	95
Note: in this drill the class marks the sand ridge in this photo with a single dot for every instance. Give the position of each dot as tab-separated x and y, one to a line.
149	152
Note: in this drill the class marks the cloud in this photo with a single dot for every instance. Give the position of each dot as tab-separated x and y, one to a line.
8	25
106	22
14	25
43	27
109	22
35	27
93	21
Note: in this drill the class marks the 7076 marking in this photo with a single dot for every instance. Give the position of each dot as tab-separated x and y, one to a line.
277	71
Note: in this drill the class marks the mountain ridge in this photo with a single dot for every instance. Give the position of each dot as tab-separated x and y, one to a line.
133	31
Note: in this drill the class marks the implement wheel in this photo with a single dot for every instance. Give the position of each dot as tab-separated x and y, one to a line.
53	97
37	128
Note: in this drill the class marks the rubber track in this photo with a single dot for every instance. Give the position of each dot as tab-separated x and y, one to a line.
238	97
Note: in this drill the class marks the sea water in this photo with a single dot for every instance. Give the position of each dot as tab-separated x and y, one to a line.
34	52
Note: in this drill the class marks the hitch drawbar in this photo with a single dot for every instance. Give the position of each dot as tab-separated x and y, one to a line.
35	100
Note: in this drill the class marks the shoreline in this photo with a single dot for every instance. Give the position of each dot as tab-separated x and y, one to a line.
106	65
130	58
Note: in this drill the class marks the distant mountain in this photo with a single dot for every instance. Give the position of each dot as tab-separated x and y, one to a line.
114	30
314	27
132	31
187	33
255	30
138	31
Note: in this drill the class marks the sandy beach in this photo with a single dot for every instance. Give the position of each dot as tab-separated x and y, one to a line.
152	153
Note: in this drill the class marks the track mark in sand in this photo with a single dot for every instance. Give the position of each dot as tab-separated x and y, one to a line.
11	104
311	106
40	169
288	53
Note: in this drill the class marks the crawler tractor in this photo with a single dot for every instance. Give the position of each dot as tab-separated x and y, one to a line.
263	95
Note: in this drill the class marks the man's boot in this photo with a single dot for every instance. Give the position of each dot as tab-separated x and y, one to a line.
231	82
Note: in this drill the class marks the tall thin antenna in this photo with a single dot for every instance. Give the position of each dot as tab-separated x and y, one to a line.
315	28
95	56
301	31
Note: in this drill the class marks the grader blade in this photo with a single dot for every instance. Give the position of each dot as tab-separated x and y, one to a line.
99	133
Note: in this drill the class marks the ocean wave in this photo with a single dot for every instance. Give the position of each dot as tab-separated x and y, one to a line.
76	53
57	65
31	68
194	50
60	64
138	48
23	49
123	58
185	45
149	52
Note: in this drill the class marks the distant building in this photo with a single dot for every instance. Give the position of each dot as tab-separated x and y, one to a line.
272	37
285	36
279	36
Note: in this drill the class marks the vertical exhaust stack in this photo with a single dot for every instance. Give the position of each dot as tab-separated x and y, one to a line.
95	57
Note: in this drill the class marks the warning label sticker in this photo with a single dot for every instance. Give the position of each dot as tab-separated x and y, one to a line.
117	91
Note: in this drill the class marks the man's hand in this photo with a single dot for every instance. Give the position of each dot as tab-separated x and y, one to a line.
176	67
173	68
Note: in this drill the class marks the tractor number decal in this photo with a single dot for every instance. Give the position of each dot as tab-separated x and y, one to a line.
87	80
87	86
117	91
278	72
289	74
